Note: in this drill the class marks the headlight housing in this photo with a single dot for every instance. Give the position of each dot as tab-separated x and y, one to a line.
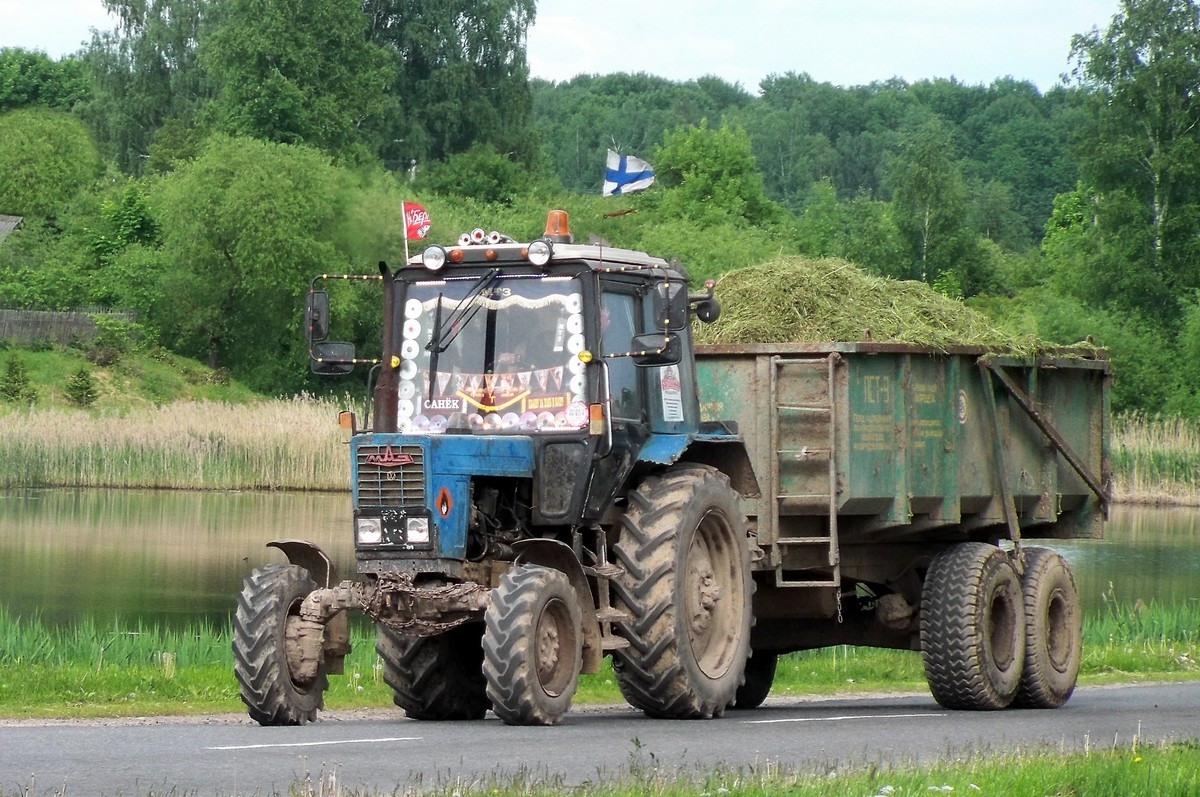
416	530
369	531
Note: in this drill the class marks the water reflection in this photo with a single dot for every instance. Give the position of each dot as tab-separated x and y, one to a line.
161	556
174	557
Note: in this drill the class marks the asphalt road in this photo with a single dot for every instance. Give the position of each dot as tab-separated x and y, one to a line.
385	752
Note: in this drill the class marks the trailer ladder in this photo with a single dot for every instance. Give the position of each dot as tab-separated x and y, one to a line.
802	390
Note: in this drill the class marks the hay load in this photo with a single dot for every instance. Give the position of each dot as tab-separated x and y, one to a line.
796	300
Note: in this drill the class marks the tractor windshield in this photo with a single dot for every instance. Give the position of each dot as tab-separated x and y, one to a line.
492	353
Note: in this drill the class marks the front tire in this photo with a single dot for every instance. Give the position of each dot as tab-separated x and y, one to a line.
438	677
687	590
1053	631
760	674
532	646
972	628
268	612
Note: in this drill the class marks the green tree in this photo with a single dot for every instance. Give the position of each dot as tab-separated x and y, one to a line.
15	385
245	226
81	388
46	158
295	72
929	198
460	71
1140	148
145	72
711	175
30	77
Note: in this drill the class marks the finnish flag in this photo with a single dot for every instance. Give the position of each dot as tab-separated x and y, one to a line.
626	174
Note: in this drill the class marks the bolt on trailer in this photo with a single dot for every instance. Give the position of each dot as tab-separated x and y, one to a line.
551	472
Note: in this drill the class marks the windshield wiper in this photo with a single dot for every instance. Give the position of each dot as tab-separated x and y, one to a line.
461	315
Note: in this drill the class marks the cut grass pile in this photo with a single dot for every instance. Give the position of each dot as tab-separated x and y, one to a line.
797	300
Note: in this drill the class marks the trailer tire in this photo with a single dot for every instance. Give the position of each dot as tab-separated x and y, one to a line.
687	591
268	603
972	628
1053	631
760	674
437	677
532	646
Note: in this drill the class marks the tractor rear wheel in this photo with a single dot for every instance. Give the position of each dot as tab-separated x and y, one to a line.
1053	631
687	589
972	628
532	646
267	631
438	677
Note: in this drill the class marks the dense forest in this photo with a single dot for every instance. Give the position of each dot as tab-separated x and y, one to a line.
200	161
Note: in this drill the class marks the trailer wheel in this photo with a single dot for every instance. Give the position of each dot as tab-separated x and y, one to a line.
264	660
760	674
972	628
532	646
687	590
1053	631
438	677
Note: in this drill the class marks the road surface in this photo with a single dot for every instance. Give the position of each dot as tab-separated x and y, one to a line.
383	751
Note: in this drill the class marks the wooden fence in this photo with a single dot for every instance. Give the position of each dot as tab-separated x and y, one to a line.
31	327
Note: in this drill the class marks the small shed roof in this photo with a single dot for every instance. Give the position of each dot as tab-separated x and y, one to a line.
8	224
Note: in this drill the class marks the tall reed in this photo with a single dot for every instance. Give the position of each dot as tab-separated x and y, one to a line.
285	444
293	444
1156	460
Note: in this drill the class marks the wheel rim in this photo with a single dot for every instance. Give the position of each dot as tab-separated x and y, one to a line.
554	639
293	626
712	595
1058	634
1002	639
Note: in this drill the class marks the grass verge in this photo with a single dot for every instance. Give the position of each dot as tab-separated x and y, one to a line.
92	670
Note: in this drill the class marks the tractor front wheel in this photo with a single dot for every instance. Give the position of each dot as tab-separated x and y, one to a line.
276	684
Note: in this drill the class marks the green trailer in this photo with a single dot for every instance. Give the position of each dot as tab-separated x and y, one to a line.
896	488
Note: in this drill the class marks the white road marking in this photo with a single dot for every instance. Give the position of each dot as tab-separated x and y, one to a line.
318	744
846	717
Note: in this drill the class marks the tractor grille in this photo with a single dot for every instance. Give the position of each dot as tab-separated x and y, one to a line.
391	476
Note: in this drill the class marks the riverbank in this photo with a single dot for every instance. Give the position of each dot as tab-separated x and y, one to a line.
295	444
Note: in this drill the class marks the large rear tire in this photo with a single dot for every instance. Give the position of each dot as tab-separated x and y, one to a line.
532	646
438	677
972	628
687	589
267	607
1053	631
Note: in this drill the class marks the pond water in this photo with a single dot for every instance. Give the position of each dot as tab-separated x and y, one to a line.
172	558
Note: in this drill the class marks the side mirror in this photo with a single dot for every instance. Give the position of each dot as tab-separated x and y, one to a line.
708	309
670	305
332	359
656	348
316	316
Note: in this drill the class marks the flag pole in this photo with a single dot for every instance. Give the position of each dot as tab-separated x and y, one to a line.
404	230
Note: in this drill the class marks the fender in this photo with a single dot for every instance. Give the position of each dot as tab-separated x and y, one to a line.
559	556
314	560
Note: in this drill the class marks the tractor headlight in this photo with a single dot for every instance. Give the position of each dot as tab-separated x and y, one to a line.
433	258
416	529
540	252
370	531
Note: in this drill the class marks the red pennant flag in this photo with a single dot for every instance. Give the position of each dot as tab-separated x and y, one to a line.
416	221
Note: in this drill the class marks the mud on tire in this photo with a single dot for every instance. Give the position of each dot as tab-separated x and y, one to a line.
687	589
1053	631
268	603
532	646
438	677
972	628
